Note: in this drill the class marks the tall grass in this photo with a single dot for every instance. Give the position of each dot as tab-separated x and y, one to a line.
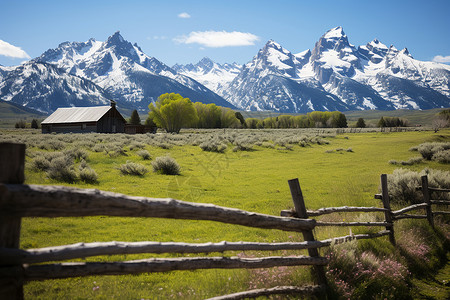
251	180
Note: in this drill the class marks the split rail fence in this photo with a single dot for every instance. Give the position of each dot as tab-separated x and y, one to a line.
18	266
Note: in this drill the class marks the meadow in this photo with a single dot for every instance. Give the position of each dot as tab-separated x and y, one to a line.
249	172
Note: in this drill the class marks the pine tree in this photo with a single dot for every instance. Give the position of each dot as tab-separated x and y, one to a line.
135	119
34	124
382	122
360	123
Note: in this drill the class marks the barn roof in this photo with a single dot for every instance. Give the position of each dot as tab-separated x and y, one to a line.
77	114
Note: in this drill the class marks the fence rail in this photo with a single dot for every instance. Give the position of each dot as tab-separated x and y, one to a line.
18	200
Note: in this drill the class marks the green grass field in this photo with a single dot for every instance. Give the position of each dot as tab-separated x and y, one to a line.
250	180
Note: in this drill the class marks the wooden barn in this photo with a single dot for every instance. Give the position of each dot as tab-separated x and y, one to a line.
101	119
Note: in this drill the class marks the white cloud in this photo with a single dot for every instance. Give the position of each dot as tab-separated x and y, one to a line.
6	49
184	15
442	59
218	39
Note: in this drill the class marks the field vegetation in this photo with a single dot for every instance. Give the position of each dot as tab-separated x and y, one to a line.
245	169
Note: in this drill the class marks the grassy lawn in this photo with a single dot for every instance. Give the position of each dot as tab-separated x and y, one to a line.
346	171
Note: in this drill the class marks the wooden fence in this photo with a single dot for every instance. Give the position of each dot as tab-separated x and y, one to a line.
18	200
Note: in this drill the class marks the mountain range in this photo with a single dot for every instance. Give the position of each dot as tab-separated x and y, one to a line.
93	72
334	75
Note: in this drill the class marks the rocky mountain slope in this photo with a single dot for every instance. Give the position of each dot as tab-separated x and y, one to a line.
214	76
116	68
336	75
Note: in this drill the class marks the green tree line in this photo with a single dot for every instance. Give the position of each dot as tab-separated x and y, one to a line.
172	112
315	119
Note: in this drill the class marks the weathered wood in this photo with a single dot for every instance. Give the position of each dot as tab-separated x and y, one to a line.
330	210
81	250
440	202
320	223
348	238
78	269
426	199
441	213
300	209
409	208
387	205
406	216
378	196
12	166
278	290
59	201
439	190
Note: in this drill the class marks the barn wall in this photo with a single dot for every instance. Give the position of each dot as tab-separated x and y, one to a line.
69	128
111	122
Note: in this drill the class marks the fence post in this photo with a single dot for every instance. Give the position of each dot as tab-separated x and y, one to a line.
426	199
12	165
387	205
300	208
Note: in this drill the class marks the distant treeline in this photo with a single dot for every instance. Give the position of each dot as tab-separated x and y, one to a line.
315	119
392	122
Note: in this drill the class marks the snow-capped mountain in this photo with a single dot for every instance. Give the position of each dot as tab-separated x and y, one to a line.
342	77
126	72
273	80
45	87
214	76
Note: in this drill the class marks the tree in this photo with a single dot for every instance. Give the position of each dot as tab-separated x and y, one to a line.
228	118
21	124
439	122
34	124
135	119
150	124
382	122
172	112
240	118
361	123
338	120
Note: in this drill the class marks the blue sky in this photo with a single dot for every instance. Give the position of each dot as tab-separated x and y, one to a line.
226	31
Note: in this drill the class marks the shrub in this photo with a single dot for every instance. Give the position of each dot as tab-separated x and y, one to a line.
88	175
442	156
268	145
213	146
402	185
77	154
98	148
409	162
131	168
42	160
144	154
136	145
166	165
427	150
61	169
241	145
115	149
40	163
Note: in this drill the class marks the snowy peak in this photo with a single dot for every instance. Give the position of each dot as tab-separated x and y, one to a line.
206	64
276	60
115	39
334	39
213	75
335	33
